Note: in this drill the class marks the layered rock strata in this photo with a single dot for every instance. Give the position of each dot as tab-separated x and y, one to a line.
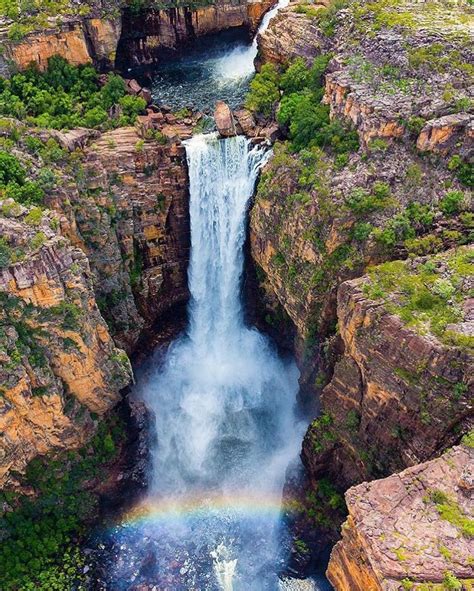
409	530
59	369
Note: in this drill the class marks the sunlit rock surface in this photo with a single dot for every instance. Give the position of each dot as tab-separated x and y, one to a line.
399	530
59	368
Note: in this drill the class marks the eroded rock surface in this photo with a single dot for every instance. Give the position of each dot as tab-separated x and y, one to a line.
397	531
59	369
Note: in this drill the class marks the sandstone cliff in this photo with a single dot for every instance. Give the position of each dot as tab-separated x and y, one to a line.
123	200
110	33
147	36
131	214
402	391
411	530
60	370
394	384
80	41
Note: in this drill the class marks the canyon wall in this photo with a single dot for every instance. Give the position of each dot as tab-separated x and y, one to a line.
149	36
130	215
110	34
60	370
343	255
92	272
80	41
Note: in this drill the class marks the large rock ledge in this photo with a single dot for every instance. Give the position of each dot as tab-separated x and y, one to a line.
392	399
396	537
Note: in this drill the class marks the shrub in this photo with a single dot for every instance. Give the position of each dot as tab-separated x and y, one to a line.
5	253
11	170
362	231
423	245
421	214
415	124
132	105
362	202
66	96
451	582
296	77
464	170
452	202
30	193
264	91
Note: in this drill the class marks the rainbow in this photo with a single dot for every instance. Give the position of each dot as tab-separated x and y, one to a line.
160	509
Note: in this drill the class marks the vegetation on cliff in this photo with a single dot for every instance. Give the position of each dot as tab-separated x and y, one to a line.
41	531
428	296
66	96
299	90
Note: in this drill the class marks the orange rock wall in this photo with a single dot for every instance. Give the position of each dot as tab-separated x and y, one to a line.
59	368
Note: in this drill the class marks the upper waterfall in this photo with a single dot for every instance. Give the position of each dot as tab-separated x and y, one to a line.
238	63
211	71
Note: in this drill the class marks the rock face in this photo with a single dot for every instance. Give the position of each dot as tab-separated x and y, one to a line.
59	368
148	37
135	228
391	391
448	134
128	211
399	533
397	397
80	41
290	35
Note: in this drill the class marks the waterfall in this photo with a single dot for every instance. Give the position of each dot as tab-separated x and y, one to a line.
238	63
222	400
223	397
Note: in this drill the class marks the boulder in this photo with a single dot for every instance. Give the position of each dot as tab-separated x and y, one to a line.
224	120
246	122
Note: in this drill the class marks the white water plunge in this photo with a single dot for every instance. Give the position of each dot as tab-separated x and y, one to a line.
239	63
223	402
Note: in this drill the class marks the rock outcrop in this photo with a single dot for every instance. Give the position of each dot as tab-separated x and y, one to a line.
135	228
80	41
448	135
290	35
409	530
59	368
399	395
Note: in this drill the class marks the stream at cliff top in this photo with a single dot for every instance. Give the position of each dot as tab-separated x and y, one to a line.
223	403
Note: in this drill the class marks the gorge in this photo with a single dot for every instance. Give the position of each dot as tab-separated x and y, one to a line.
237	319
